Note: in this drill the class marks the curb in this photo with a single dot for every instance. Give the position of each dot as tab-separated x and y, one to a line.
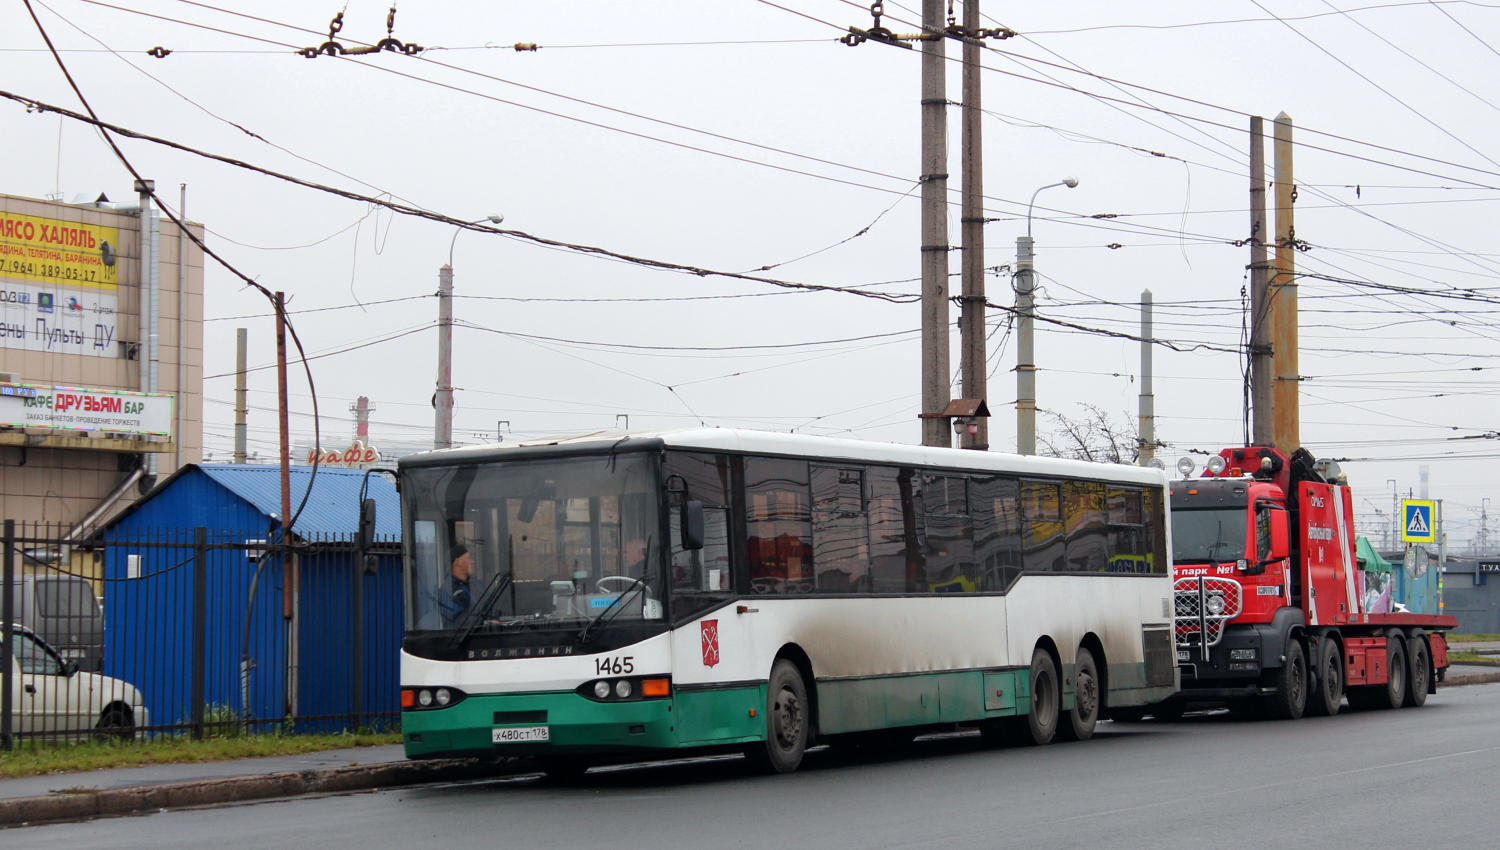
20	811
1469	679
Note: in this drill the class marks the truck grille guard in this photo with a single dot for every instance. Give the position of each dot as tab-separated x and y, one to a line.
1192	602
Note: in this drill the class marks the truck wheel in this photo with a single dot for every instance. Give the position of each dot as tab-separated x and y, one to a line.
1079	723
1420	673
1393	692
1290	698
1328	679
787	722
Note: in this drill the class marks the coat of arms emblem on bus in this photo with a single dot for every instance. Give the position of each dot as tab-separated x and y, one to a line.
710	634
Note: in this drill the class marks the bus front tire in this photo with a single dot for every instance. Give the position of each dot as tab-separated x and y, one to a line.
1079	722
788	722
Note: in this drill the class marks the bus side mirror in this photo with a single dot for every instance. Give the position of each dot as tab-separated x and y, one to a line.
365	540
692	525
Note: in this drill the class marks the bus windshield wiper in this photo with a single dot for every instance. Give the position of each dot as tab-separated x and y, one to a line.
476	614
608	614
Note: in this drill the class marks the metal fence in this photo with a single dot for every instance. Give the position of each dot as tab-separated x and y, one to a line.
137	633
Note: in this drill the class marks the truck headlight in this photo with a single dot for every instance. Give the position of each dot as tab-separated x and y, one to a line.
1214	605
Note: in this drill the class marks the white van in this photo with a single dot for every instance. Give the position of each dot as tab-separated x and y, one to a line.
63	611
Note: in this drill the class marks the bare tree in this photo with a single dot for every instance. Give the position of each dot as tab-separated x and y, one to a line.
1093	436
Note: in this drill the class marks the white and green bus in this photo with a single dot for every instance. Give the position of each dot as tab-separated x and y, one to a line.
624	594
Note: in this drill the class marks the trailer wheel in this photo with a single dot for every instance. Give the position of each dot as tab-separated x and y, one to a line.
1393	692
1078	724
1327	691
1420	673
1290	698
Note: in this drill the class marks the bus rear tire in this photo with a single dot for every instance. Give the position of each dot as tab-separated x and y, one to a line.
1046	700
788	722
1327	692
1419	676
1079	722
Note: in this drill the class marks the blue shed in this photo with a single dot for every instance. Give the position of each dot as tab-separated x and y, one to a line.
207	624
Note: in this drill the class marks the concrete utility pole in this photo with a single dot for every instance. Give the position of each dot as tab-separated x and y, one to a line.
442	435
1262	378
1025	350
1287	424
241	407
935	376
972	315
1148	400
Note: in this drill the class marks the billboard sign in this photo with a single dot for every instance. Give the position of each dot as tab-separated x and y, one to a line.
58	282
71	409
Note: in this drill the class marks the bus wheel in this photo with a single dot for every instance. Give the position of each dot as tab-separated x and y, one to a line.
1290	698
1046	699
1420	674
1327	691
1079	723
787	722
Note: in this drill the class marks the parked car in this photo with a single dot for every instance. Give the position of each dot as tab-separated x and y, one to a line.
63	611
51	696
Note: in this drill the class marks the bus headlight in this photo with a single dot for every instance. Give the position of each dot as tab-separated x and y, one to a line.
601	689
623	688
424	698
442	696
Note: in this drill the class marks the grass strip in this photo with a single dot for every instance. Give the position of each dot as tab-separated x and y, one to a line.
34	759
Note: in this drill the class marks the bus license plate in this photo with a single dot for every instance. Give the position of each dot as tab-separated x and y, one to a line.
519	734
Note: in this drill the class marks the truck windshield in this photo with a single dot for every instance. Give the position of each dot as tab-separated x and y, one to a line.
1207	535
503	546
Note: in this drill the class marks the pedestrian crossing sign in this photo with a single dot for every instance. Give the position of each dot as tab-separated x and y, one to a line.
1416	521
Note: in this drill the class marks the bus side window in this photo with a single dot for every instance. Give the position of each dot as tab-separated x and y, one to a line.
1156	531
1043	541
1128	552
1088	526
840	530
895	537
997	531
778	520
950	538
700	578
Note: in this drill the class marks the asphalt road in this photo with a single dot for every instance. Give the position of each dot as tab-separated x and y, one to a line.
1412	778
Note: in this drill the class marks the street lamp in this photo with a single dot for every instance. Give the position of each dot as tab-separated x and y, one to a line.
442	400
1026	332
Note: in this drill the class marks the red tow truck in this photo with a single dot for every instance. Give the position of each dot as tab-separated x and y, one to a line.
1273	613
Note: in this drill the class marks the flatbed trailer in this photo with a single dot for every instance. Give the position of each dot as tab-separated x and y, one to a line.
1274	615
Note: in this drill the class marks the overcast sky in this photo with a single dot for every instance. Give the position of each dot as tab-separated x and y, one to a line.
737	135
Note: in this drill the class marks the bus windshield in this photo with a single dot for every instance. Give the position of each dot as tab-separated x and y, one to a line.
1208	535
562	543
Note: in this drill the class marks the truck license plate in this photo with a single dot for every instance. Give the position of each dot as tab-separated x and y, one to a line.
519	734
1183	655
